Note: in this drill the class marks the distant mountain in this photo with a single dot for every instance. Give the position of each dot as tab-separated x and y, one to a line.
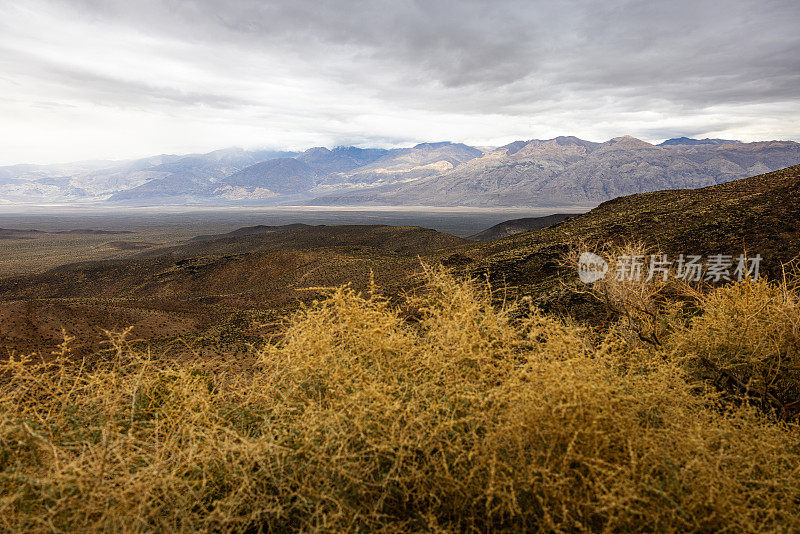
570	171
565	171
420	161
282	176
679	141
340	159
192	176
238	177
319	170
192	183
147	179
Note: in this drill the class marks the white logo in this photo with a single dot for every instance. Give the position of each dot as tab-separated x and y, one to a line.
591	267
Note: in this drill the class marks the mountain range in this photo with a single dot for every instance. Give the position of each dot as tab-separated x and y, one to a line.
565	171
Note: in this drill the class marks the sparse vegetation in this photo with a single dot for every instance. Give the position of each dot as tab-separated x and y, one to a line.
446	412
747	340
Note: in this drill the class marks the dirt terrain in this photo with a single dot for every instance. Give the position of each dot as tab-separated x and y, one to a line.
184	290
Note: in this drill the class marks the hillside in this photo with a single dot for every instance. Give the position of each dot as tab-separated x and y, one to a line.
424	158
689	141
760	214
408	164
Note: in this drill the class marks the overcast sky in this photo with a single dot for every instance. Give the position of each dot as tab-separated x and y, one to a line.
117	79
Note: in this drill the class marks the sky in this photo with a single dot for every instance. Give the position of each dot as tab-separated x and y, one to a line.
109	79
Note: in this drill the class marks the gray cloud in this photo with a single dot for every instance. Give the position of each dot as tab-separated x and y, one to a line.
493	43
588	68
115	91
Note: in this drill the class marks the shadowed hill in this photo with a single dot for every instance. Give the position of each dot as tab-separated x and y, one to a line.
11	233
249	230
519	226
383	239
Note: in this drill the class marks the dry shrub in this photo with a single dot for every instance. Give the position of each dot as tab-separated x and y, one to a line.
646	308
470	419
748	338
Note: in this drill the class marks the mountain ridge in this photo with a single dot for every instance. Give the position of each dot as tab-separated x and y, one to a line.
563	171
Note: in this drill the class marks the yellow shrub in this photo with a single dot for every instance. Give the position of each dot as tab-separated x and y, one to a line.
469	419
748	334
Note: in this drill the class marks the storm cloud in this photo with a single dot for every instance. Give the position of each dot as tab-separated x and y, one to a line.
97	79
